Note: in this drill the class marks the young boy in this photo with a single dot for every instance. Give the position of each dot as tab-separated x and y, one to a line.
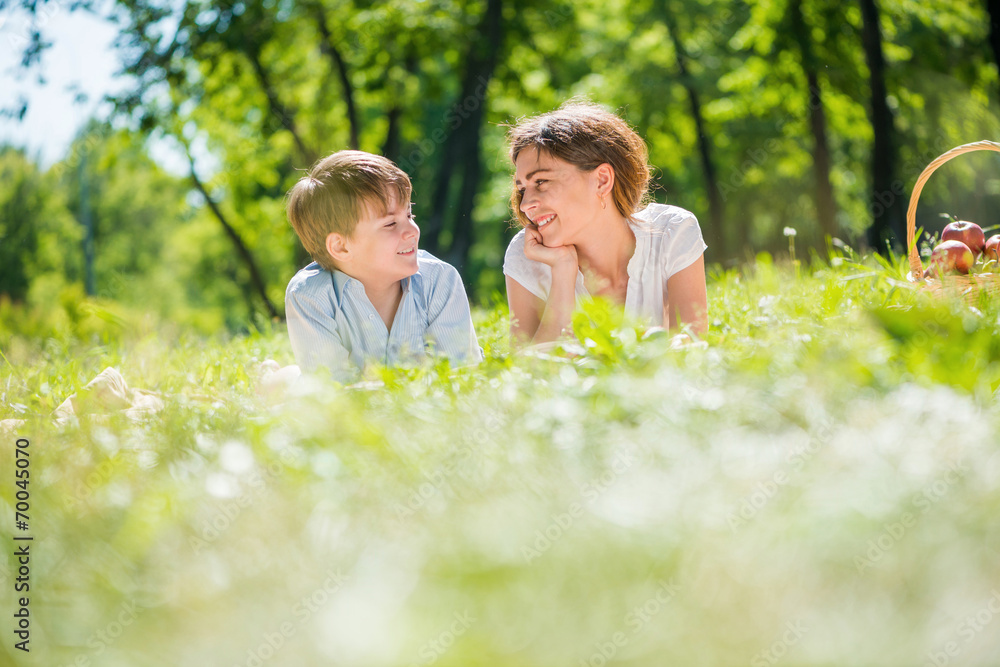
370	294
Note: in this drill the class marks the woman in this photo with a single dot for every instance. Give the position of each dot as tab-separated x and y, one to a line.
581	179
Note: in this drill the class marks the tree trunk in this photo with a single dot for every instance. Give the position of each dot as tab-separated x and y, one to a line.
256	278
477	80
87	218
993	8
887	204
826	206
390	148
716	207
463	144
430	236
464	229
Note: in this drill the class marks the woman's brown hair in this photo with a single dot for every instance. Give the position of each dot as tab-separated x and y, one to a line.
587	136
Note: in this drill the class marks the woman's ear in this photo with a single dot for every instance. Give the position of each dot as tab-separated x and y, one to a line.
337	246
605	175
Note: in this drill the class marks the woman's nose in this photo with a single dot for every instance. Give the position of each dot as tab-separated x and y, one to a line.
527	203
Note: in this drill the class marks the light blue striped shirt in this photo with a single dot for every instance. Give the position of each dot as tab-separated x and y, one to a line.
332	324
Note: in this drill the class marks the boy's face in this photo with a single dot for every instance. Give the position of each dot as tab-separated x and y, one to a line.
383	248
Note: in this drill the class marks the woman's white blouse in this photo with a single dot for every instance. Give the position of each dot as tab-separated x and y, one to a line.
667	240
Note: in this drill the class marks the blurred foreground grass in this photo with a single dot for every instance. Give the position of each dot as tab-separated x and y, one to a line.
818	486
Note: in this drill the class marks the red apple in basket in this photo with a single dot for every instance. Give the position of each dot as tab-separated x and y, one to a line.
968	233
992	250
951	257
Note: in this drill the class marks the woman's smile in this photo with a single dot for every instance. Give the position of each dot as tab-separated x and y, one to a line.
544	220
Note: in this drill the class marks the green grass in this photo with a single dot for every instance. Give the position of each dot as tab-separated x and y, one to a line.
818	486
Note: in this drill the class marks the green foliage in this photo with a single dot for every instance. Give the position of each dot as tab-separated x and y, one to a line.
945	342
156	255
827	459
604	332
37	234
135	206
254	92
56	310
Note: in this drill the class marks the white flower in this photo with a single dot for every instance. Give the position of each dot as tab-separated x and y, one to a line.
790	231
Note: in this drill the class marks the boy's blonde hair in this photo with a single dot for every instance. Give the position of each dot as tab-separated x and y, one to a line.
339	189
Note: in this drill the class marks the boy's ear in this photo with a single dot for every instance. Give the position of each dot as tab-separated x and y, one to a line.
337	246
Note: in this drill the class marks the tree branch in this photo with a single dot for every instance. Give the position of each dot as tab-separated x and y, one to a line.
328	49
241	248
283	114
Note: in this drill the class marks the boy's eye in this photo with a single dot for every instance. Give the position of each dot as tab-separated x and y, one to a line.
391	224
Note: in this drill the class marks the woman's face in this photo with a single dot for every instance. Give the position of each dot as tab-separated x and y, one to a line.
560	199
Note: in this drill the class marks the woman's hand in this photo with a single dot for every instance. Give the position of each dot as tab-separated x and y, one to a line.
534	320
560	258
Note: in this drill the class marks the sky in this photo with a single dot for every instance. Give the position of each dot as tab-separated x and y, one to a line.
81	58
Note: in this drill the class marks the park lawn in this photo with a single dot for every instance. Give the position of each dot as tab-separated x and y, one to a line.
820	485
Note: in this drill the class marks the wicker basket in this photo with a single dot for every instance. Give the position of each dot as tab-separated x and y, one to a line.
972	285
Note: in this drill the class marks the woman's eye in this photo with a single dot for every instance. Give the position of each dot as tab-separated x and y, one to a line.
520	192
540	181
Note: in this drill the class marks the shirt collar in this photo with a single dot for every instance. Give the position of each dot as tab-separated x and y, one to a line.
640	228
408	282
342	281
